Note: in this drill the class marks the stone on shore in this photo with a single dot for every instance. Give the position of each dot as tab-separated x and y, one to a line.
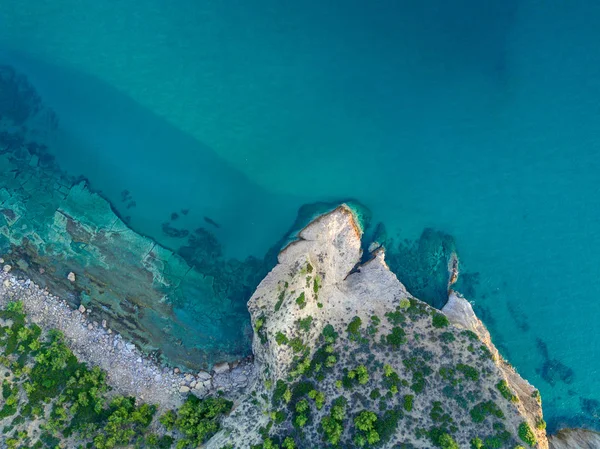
203	375
221	368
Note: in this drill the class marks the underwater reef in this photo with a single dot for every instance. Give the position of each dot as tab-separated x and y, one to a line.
186	307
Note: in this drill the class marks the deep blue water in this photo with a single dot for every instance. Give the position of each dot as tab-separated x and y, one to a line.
481	119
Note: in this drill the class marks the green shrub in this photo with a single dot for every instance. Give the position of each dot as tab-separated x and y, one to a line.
476	443
438	416
418	384
486	353
506	392
304	324
387	370
470	335
354	328
278	416
302	410
396	317
480	411
329	333
540	424
330	361
439	320
316	285
447	442
365	423
333	430
288	443
365	420
168	420
386	425
125	423
526	434
281	339
200	419
278	392
301	300
408	402
297	344
447	337
468	371
319	398
396	338
362	374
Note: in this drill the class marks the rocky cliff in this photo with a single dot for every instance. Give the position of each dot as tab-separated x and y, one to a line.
348	358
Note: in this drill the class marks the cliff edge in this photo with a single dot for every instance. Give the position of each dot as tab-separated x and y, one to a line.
346	357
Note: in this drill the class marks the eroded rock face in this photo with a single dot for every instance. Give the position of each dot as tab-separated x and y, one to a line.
575	439
344	354
460	313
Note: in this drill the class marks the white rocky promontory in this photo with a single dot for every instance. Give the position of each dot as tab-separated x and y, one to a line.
337	341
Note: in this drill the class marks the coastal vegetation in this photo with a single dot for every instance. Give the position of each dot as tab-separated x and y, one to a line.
383	370
357	381
50	399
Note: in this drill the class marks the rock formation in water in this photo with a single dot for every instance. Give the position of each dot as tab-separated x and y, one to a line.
575	439
346	357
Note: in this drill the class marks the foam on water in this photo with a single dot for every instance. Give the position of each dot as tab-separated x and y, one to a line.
476	118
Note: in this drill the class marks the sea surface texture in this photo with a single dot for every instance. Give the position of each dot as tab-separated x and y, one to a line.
207	125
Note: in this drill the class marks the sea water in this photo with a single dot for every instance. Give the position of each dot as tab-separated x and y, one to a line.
479	119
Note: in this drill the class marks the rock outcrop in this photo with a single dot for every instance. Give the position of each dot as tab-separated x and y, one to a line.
346	356
575	439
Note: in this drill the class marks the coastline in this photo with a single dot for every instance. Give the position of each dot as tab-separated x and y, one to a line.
129	371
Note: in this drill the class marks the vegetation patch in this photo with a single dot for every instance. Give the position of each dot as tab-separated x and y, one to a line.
484	409
304	324
439	320
506	392
72	401
353	328
526	434
396	338
301	300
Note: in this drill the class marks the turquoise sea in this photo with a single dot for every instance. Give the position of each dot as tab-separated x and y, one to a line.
477	119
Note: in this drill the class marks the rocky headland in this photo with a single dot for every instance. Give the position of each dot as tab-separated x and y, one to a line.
346	356
343	356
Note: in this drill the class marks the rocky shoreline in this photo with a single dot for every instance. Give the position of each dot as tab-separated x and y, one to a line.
129	372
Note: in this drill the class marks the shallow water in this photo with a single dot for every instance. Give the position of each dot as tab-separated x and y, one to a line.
478	120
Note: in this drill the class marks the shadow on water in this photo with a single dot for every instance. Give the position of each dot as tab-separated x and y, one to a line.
207	317
159	179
